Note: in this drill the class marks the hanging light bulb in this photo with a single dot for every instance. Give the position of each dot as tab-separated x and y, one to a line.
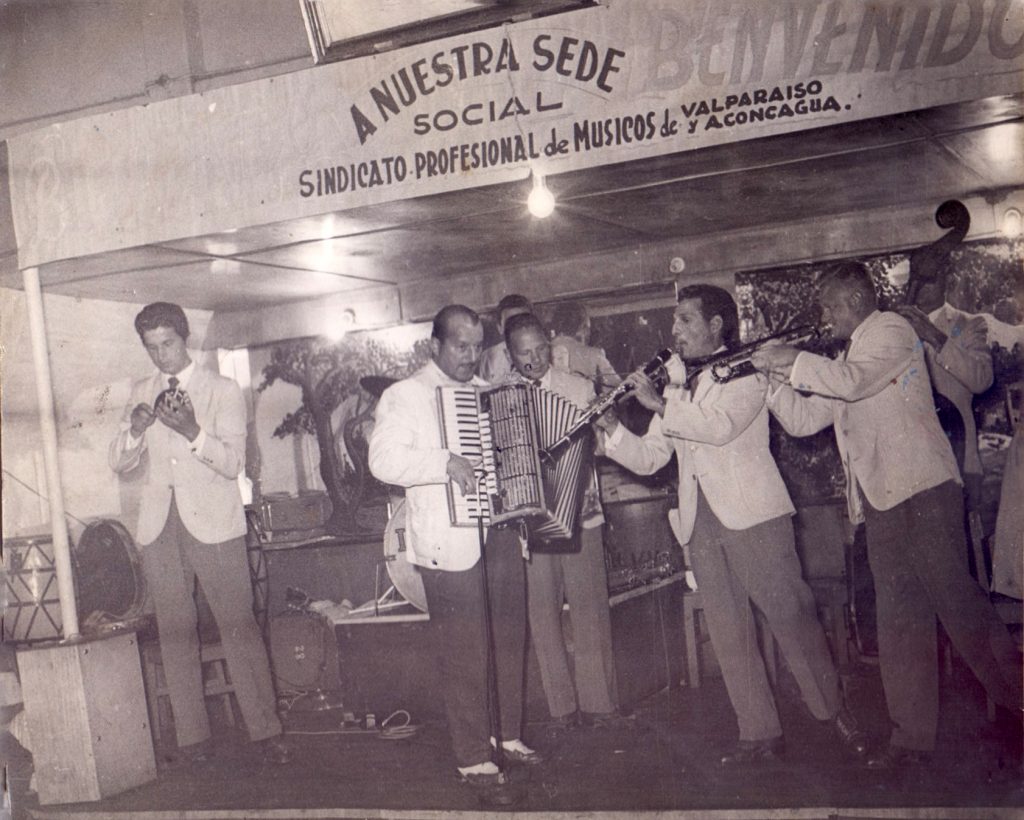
540	202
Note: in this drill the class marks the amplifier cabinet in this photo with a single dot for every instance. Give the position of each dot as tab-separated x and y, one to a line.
303	653
31	604
284	513
87	720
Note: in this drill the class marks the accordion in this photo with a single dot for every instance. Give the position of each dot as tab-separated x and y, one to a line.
504	428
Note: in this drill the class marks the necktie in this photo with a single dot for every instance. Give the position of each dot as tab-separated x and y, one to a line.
172	382
693	385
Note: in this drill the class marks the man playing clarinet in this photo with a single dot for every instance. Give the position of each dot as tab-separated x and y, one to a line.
406	449
735	513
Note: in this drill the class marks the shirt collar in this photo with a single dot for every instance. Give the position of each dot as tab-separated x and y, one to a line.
183	376
439	377
859	330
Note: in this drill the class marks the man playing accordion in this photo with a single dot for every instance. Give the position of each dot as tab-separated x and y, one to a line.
406	449
576	575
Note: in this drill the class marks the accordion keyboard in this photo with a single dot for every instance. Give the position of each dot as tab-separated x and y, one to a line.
503	429
466	433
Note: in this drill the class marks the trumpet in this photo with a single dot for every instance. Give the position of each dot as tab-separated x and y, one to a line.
654	370
735	363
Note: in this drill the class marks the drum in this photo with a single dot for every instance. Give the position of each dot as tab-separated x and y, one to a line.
110	585
404	575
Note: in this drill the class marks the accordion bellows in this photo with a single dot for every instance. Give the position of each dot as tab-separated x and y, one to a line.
505	428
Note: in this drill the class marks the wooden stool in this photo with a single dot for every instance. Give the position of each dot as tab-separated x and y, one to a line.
692	605
216	682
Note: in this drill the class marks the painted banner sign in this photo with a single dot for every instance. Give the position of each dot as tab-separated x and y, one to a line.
602	85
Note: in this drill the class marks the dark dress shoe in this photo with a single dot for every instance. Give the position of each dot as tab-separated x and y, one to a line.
195	754
492	790
896	757
752	752
565	723
275	751
607	720
523	757
850	734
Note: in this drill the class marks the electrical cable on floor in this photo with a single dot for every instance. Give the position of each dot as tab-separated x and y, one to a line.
385	731
389	732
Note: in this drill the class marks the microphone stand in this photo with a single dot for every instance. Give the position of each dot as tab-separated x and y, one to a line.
493	704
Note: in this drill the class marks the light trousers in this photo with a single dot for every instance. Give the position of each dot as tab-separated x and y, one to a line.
579	578
737	570
172	564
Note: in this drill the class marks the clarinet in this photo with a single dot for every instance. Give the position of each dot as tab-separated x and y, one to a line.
654	370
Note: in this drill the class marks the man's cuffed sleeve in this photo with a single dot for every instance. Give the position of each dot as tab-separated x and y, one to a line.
125	452
197	445
221	442
799	415
642	456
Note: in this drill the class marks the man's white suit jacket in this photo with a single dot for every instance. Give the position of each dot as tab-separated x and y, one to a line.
720	438
202	475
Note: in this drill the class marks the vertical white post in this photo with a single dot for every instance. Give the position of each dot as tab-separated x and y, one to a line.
48	429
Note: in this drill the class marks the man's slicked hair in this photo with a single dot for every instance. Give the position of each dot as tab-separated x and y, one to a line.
162	314
852	276
716	301
446	315
568	318
523	321
514	301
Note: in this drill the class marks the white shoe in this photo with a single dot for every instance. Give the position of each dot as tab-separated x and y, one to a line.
480	768
517	747
518	752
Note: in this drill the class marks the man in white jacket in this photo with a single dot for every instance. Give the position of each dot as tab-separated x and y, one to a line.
184	431
903	483
576	575
406	449
735	513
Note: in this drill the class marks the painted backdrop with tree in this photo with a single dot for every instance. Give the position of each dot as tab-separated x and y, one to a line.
336	408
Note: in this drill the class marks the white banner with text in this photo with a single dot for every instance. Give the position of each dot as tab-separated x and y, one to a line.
627	80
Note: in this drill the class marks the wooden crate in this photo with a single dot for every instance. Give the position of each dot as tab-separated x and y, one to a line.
87	719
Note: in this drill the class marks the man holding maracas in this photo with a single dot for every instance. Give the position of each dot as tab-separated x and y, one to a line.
191	425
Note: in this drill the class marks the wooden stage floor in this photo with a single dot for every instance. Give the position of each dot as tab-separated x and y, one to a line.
666	765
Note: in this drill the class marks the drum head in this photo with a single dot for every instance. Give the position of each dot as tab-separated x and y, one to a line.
108	574
405	576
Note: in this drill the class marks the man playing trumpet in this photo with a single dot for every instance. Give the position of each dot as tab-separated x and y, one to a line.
735	513
903	484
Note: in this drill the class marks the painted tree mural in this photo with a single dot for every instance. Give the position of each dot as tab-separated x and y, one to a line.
328	374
